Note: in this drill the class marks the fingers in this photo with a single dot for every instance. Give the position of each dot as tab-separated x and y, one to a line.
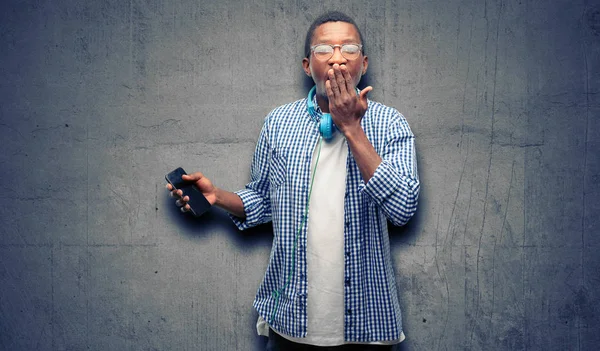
173	192
329	90
345	74
182	201
340	81
335	90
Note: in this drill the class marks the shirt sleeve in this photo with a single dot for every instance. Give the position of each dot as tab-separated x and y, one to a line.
255	196
394	186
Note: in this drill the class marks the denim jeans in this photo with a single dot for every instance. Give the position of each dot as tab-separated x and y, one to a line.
278	343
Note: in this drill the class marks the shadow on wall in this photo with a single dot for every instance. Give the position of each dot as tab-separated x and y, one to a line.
217	221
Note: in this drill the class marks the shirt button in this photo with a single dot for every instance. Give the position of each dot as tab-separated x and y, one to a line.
347	224
349	312
347	253
347	281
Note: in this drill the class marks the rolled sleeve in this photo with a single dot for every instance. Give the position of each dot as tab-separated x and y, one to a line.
394	186
257	211
394	193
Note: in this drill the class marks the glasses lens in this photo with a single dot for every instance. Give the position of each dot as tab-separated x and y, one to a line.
323	52
350	51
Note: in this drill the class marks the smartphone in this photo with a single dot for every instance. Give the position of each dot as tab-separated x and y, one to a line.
198	203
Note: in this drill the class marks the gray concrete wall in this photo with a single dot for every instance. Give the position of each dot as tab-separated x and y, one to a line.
99	99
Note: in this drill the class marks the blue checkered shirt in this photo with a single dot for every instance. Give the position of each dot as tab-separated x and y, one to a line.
278	192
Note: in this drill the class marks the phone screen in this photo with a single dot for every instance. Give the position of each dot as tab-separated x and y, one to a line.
198	203
175	179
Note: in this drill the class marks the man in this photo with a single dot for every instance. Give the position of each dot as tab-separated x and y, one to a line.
330	279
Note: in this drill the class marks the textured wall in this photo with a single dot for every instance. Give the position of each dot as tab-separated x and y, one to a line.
99	99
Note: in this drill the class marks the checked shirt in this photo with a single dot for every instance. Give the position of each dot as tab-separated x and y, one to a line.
278	192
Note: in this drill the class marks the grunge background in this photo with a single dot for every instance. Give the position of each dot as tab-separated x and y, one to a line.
99	99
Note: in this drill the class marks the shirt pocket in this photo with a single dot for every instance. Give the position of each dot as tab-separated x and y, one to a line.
277	168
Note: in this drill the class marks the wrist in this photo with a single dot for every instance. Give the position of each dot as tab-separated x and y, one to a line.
352	132
218	197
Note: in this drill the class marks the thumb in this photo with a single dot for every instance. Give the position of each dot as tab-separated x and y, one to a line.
192	177
364	92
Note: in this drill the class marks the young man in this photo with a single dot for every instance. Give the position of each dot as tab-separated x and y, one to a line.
329	193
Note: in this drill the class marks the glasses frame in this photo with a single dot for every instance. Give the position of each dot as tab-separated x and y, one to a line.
312	50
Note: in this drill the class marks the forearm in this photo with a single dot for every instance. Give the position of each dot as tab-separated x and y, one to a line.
394	185
390	184
230	202
363	152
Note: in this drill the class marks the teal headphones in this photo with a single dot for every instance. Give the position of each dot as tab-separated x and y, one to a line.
326	125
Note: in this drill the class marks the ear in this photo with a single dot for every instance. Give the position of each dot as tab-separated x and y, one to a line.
365	65
306	66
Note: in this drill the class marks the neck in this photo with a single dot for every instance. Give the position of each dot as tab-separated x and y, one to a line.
323	103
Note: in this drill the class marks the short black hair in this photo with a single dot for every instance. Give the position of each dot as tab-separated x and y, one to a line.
332	16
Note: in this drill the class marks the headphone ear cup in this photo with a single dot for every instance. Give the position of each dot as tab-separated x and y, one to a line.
326	126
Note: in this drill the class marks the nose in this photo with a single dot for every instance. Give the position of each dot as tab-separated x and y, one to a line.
337	56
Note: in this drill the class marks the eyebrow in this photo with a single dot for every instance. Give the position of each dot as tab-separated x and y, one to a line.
344	41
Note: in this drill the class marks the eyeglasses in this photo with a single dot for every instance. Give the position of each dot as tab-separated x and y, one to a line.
324	52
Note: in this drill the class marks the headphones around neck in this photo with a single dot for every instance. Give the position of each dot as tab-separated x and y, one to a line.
326	126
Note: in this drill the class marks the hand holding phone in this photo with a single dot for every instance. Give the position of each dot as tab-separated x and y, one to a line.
197	202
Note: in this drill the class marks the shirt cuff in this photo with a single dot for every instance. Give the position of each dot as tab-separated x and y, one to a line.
254	208
385	182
